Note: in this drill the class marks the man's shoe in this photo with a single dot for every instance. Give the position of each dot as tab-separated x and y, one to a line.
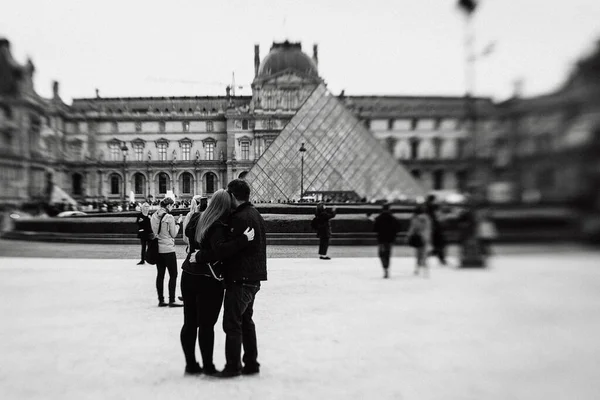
141	263
228	373
210	370
193	369
173	304
251	369
325	258
162	304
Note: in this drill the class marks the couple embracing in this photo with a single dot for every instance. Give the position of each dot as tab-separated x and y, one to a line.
230	232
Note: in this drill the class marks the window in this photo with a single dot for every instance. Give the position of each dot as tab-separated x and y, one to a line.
186	149
210	183
209	126
245	150
114	184
139	153
390	124
114	151
138	184
162	151
437	124
186	183
414	149
77	184
438	179
460	147
162	183
244	124
161	126
115	127
138	126
186	126
437	147
210	151
413	123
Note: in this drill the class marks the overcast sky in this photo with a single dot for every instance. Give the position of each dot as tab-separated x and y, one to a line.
191	48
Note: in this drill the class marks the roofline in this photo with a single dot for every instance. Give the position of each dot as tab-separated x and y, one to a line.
99	99
412	97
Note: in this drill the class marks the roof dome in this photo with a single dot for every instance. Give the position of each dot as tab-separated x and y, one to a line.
285	56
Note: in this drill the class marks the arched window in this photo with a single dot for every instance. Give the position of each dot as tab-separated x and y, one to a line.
163	182
210	182
138	183
77	184
115	184
186	183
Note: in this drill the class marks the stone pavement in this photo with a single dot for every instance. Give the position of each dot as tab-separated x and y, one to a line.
526	328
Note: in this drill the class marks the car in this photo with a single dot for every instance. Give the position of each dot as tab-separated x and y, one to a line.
65	214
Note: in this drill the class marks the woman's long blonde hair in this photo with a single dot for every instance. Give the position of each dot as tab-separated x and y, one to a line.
219	206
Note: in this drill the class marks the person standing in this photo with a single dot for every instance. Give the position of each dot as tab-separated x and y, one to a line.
243	272
203	293
438	239
167	259
197	206
386	226
419	237
144	230
323	227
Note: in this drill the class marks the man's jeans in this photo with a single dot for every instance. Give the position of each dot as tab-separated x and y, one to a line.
238	325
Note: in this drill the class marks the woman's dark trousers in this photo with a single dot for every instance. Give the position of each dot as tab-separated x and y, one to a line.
166	261
202	301
323	245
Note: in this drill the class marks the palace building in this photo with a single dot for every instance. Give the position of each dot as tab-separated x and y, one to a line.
103	148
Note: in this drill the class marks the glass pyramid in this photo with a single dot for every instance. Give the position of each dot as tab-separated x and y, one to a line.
341	156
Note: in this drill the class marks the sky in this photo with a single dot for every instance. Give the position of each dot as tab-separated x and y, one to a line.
129	48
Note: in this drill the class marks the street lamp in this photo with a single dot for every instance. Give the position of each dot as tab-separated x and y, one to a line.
302	151
124	150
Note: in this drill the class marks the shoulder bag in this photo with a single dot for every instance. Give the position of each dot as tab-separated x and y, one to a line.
152	250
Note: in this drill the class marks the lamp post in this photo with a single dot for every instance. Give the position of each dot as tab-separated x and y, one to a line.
302	151
471	255
124	150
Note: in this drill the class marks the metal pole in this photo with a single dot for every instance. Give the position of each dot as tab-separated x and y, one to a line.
302	177
124	179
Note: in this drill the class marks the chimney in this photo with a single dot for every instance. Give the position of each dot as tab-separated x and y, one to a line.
55	94
518	88
316	54
256	60
97	93
228	91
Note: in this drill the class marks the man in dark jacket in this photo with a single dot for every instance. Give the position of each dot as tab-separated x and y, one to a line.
438	239
243	272
386	226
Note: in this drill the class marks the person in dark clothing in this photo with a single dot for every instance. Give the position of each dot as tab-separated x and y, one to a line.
144	230
244	270
202	293
438	239
323	227
386	226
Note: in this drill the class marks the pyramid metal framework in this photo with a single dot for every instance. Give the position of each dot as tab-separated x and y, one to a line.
341	155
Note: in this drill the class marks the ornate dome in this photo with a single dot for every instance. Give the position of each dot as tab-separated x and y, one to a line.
284	56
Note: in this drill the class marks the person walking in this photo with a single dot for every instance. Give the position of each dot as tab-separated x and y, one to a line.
386	226
201	291
244	270
438	239
144	230
167	259
419	237
323	226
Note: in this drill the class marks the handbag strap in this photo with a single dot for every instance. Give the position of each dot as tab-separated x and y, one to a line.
160	224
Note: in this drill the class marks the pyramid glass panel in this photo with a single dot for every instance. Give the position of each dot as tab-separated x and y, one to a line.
341	156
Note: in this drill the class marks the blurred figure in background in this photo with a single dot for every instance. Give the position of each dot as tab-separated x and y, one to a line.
323	227
419	237
438	239
486	230
144	230
386	226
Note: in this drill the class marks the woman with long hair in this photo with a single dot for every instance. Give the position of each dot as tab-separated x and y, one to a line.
202	293
419	237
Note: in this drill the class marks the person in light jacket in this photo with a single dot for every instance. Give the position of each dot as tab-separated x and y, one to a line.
420	226
167	259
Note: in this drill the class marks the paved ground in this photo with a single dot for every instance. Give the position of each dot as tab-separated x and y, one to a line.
16	248
526	328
